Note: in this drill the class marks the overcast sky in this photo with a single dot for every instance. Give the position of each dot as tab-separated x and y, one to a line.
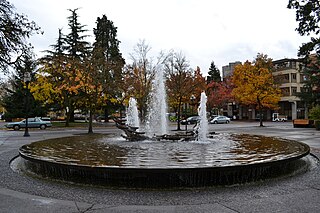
222	31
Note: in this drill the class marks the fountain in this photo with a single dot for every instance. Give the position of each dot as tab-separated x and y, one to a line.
132	118
202	130
156	122
155	159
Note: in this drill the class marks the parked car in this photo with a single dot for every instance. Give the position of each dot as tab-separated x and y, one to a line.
191	120
220	120
277	117
32	123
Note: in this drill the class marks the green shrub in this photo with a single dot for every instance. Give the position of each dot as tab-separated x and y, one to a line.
315	113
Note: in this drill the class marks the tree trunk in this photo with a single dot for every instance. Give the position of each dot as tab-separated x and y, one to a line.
261	117
106	114
260	111
90	129
179	116
67	117
71	115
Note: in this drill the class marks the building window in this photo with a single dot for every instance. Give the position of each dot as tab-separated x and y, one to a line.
286	78
288	64
294	91
293	77
285	91
304	78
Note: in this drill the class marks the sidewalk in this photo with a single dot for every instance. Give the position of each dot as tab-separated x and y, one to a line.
20	193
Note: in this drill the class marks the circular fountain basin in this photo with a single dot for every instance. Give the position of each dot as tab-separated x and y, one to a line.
223	160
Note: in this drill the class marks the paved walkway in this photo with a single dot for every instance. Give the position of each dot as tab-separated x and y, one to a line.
20	193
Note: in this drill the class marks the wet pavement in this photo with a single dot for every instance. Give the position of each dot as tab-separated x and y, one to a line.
21	193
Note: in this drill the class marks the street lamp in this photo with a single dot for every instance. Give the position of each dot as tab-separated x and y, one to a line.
26	79
192	99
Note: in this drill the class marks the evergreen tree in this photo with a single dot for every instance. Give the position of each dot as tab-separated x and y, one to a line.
58	48
77	51
107	58
214	74
76	46
17	94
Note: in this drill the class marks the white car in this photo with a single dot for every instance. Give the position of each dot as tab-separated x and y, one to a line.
32	123
220	120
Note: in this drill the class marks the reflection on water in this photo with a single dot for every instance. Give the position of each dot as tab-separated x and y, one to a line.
222	150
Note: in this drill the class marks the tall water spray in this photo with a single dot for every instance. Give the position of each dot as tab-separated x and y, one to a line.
132	113
203	125
156	122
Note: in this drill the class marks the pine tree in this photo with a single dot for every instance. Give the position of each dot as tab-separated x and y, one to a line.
77	51
107	57
17	93
214	74
57	48
76	46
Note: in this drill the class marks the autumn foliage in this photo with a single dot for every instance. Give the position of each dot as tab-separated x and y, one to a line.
254	84
219	94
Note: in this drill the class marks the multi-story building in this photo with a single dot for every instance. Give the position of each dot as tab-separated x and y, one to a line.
288	75
227	70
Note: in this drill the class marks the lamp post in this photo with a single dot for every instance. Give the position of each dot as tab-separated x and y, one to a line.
185	115
26	79
192	99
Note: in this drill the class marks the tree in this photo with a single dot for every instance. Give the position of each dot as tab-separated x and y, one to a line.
138	76
107	59
214	73
57	51
77	50
17	94
198	85
308	17
179	82
60	71
310	93
14	30
90	89
254	84
76	46
219	94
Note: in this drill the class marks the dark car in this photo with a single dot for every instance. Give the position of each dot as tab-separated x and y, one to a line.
32	123
191	120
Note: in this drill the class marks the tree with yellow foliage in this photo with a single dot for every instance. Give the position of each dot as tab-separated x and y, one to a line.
58	82
254	84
